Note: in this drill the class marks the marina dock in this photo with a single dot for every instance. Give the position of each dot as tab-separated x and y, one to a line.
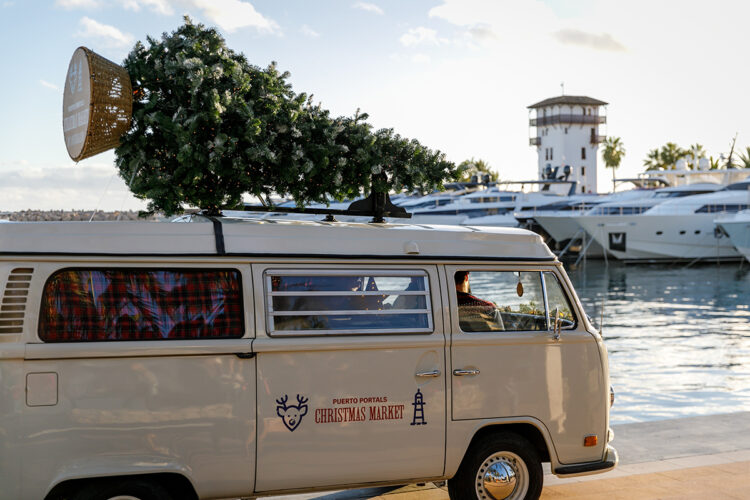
694	457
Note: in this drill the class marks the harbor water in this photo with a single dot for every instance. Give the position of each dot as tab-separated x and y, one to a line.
678	336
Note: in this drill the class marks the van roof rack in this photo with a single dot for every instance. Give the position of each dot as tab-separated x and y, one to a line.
377	205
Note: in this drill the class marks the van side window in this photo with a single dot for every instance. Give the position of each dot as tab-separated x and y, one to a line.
500	301
556	299
84	305
348	302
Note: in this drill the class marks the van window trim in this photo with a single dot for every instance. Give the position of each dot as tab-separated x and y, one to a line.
268	294
567	299
147	267
452	268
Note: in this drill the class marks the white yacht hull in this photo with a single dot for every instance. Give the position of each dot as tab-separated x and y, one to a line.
738	230
659	237
560	227
563	227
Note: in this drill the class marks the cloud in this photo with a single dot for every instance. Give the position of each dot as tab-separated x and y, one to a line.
309	32
49	85
232	15
78	4
158	6
229	15
603	41
67	187
482	32
420	36
509	22
104	33
369	7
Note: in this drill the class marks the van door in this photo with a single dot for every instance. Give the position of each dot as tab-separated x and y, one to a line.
507	363
351	375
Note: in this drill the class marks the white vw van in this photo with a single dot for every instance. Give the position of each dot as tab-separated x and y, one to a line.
250	358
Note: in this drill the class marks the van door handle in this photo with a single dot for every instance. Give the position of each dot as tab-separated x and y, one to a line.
431	373
461	373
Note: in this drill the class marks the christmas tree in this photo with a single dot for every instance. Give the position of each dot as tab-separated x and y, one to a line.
209	127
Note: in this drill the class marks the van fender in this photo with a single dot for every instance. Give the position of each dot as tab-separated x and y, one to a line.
98	467
461	433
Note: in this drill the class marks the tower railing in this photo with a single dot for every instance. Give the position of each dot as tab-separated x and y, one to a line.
542	121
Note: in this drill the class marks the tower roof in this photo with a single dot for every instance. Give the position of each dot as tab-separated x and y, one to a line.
568	99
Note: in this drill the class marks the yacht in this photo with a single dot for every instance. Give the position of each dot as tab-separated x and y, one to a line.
562	223
492	206
737	228
677	228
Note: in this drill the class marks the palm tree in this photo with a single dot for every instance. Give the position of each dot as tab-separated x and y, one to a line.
670	153
744	158
612	155
715	164
653	161
468	168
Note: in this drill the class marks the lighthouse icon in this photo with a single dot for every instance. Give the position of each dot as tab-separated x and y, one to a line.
418	405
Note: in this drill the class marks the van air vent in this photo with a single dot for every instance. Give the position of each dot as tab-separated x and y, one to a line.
13	305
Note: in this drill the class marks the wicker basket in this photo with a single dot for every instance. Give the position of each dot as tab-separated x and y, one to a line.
95	115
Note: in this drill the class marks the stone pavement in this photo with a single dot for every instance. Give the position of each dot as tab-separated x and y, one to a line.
686	458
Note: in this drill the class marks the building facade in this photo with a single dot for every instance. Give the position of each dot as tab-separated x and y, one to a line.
565	131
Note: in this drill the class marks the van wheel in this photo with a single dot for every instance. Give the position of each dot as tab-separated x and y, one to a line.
501	467
122	489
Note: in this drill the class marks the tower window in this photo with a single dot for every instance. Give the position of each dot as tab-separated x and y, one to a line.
583	171
583	153
566	130
551	154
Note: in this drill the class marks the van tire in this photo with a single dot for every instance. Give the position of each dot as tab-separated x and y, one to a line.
500	450
106	489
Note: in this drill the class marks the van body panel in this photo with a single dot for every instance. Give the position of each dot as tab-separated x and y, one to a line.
192	413
548	381
352	405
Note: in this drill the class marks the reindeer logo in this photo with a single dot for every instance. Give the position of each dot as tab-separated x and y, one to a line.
291	415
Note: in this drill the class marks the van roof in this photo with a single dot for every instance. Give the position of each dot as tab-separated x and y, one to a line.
270	237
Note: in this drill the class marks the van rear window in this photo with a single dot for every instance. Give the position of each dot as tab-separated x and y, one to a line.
80	305
348	302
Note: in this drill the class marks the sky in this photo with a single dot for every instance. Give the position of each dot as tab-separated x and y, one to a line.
457	75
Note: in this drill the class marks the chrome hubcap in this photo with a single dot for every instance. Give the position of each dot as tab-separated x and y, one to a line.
502	476
499	480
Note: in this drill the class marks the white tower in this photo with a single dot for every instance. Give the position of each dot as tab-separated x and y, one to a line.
565	132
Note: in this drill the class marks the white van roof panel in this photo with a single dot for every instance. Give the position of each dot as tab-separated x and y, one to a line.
258	237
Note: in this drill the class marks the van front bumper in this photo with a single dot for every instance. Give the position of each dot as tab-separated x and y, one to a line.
584	469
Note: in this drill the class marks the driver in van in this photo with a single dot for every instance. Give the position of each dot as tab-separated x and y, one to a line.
475	314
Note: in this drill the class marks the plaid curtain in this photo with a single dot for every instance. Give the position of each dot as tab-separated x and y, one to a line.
137	304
